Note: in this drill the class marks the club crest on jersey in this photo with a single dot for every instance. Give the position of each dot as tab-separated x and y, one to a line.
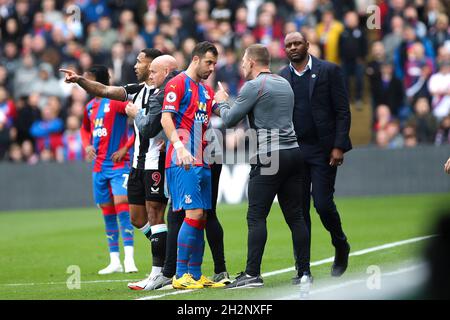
187	199
206	95
171	97
107	109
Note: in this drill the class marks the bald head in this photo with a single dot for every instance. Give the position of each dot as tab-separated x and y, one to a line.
296	46
160	68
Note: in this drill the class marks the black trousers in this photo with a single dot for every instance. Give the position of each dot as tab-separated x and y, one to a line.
214	231
319	179
287	184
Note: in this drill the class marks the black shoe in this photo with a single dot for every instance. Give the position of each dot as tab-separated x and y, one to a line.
297	279
340	260
244	280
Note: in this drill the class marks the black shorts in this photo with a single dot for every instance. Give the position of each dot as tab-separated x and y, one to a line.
146	185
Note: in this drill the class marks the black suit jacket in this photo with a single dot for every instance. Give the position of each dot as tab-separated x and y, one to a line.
329	104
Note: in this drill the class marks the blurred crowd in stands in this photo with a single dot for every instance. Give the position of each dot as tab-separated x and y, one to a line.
396	59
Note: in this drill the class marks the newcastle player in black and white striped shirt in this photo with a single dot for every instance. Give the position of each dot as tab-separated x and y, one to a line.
146	182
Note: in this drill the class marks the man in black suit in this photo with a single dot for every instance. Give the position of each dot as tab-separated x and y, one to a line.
322	124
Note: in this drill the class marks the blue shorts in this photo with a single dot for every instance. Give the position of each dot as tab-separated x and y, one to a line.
109	182
189	189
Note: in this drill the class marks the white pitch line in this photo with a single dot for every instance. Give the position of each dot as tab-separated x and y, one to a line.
56	283
349	283
267	274
320	262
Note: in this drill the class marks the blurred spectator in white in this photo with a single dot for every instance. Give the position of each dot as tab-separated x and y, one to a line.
123	71
424	121
25	75
443	133
393	40
46	84
252	15
105	32
51	15
439	88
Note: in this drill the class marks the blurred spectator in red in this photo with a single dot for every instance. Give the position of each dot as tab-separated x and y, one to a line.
418	69
72	147
266	29
8	112
382	118
240	25
424	121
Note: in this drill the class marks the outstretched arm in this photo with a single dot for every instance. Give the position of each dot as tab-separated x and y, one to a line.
95	88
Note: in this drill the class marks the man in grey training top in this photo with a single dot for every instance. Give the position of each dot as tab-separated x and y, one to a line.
268	100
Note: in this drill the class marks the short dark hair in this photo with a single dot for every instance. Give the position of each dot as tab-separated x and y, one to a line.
259	53
100	73
151	53
202	48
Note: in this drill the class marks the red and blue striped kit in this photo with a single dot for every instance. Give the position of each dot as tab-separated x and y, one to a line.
105	121
192	104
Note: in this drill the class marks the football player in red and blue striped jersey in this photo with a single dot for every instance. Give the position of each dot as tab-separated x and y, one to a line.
105	137
186	111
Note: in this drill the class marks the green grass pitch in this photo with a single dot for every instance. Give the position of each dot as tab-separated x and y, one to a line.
37	247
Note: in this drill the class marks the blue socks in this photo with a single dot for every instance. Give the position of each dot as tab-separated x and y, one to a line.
191	245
